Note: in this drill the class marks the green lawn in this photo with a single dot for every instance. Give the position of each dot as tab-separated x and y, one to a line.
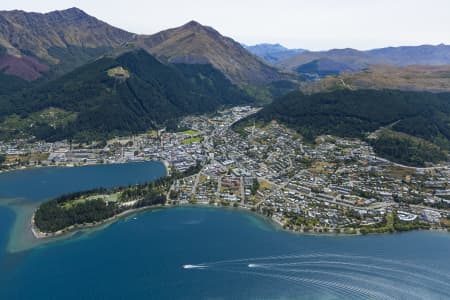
111	198
196	139
190	132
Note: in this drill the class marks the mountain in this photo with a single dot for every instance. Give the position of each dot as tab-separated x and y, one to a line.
324	67
414	125
358	60
409	78
194	43
54	43
33	43
127	94
351	57
272	53
413	55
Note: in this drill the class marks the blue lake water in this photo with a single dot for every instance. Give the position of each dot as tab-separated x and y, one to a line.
22	191
235	254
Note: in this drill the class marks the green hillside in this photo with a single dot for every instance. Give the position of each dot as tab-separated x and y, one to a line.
407	149
105	103
357	113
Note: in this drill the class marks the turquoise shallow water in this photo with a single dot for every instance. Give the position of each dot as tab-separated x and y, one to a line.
22	191
237	254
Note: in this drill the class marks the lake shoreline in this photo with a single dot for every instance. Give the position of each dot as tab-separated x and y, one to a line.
70	165
39	235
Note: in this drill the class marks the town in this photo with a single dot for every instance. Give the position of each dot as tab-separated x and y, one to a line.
336	185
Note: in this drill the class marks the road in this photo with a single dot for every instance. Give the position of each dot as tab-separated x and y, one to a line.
242	189
197	179
219	187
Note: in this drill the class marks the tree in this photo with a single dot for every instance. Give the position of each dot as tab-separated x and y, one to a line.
255	186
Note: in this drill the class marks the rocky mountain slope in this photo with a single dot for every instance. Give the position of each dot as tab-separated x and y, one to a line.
194	43
30	43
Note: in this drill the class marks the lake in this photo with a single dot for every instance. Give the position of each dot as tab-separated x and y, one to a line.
203	253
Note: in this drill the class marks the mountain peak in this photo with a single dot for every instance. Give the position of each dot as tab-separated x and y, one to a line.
196	27
192	23
194	43
73	11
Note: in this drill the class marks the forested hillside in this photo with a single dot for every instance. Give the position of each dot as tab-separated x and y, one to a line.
127	94
357	113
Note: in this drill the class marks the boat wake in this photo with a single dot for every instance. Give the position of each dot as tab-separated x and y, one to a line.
194	267
344	276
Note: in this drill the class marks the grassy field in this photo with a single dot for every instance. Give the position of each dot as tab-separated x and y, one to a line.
190	132
191	140
119	72
109	198
153	133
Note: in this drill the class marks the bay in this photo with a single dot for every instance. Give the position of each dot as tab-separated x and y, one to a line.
210	253
22	191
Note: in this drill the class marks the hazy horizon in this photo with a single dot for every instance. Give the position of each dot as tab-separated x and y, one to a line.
322	25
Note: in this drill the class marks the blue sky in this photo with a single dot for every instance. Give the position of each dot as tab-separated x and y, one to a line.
312	24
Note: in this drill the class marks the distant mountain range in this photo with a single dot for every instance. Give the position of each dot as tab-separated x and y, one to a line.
33	45
273	53
343	60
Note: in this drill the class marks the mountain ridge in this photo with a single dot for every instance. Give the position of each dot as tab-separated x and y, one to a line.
193	43
358	60
65	38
